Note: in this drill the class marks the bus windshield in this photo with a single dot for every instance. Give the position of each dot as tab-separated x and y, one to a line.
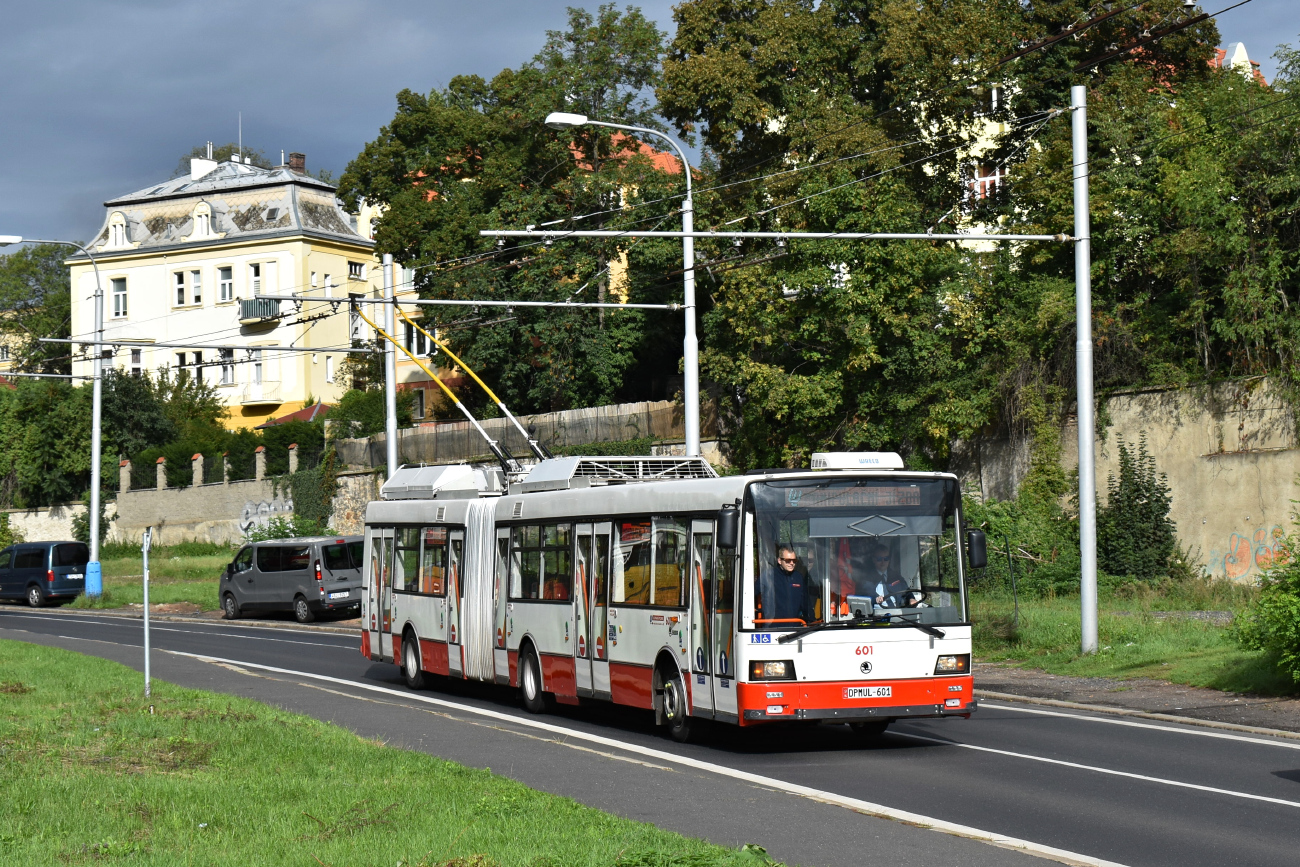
881	549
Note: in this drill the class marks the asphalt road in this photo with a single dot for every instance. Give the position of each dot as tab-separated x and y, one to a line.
1081	788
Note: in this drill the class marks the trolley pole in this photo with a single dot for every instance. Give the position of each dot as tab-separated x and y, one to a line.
390	371
144	551
1083	374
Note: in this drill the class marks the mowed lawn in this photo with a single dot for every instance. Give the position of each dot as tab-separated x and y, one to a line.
1151	635
172	578
91	772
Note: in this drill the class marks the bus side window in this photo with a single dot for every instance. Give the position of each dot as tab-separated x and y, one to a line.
557	562
433	562
670	561
634	554
526	562
407	563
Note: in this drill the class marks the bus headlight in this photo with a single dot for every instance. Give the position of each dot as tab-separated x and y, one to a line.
781	669
956	664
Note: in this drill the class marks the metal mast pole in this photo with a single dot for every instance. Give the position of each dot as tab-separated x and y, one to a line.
690	343
1083	374
390	371
94	577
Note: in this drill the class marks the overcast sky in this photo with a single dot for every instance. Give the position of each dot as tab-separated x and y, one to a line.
101	97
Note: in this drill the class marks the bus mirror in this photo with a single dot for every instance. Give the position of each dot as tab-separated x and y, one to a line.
728	527
977	549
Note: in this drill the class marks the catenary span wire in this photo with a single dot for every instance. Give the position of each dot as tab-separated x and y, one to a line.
777	174
1093	63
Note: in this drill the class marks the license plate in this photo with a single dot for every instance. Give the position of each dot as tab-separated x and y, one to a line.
868	691
77	577
342	595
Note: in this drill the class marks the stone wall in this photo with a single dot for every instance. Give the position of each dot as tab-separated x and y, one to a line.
219	512
53	523
355	492
1230	453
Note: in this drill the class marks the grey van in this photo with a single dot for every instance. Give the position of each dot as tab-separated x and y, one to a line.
43	572
309	576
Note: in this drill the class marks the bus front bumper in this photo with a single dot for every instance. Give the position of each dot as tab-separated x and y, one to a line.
831	701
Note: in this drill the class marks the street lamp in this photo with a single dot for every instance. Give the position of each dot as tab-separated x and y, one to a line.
690	345
94	576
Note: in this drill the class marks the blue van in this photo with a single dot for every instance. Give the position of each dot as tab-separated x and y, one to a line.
43	572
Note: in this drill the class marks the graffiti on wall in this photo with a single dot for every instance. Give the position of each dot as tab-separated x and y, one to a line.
1248	554
258	515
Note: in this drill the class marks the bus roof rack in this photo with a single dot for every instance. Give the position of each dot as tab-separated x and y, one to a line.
422	482
558	474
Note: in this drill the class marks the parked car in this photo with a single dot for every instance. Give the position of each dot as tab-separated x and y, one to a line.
43	572
309	576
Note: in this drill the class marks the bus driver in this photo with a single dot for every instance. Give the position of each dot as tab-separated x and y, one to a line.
885	585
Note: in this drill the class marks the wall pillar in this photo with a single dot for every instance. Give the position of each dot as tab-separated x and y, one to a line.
293	457
259	463
123	477
160	480
225	468
196	469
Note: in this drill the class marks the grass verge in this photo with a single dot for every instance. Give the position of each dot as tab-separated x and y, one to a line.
1134	641
89	774
173	577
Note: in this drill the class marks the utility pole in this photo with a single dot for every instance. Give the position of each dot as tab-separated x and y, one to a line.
390	371
1083	374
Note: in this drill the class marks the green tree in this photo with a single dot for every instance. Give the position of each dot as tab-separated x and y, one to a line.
476	155
221	153
363	414
35	302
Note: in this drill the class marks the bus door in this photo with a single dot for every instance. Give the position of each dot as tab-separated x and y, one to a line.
724	634
455	602
380	600
582	598
701	613
500	655
598	621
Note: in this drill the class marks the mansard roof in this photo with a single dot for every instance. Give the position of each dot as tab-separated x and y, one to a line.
245	202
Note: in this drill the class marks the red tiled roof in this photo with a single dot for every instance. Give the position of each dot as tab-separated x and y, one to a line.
307	413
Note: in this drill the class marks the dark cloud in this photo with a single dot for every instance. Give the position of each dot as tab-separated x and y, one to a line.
102	98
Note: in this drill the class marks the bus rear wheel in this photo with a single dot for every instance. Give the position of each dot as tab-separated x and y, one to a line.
870	729
411	662
530	682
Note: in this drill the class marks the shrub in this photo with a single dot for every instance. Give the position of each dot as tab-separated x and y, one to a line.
1134	534
285	528
1272	623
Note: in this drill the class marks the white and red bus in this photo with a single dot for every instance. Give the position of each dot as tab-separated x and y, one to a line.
833	594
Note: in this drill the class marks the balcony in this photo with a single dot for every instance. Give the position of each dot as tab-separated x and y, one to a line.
259	311
264	393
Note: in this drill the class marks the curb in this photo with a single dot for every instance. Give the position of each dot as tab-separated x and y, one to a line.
1122	711
184	618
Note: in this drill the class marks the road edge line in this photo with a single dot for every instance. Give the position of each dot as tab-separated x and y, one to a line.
1140	714
879	811
123	614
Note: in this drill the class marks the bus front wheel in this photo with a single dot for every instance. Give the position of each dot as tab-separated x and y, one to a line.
676	713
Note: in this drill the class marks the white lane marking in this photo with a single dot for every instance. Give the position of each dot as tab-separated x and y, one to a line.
877	810
1141	725
354	645
1110	771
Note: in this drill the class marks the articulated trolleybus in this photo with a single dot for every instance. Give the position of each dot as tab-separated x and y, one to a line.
835	594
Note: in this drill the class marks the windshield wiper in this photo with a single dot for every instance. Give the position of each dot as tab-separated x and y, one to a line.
858	620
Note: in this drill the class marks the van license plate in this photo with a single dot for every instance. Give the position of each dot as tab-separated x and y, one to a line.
76	577
341	595
868	691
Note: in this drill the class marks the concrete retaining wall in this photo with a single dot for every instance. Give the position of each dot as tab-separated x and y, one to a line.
53	523
1229	451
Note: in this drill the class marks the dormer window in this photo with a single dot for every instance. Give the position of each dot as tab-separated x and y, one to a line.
202	227
272	214
117	231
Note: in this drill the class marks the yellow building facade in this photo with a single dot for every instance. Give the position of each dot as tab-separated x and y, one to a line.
187	261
